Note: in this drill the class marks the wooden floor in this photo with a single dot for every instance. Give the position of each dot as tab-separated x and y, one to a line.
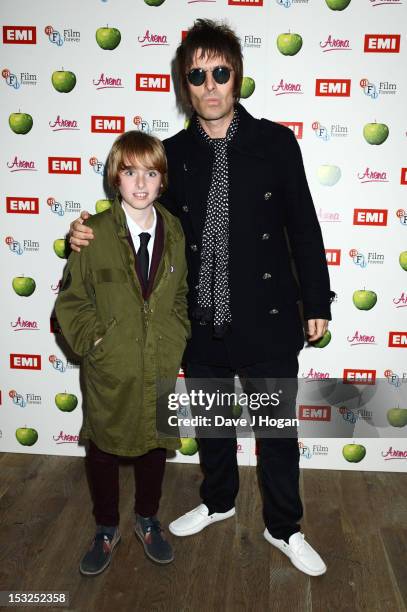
356	520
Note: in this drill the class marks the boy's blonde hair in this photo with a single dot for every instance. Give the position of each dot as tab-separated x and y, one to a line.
132	147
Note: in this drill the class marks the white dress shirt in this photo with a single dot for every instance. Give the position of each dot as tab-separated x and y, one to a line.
135	230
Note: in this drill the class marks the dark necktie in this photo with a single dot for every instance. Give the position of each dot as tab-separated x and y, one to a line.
143	256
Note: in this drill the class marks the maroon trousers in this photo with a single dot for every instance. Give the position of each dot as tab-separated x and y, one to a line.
103	473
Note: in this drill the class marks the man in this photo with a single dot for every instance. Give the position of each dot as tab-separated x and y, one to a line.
239	188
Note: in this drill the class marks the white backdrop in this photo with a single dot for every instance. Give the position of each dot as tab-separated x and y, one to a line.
349	72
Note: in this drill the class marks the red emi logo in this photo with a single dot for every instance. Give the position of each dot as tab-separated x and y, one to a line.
398	339
152	82
106	124
19	35
64	165
370	216
333	87
22	206
315	413
20	361
365	377
296	126
382	43
403	178
245	2
333	257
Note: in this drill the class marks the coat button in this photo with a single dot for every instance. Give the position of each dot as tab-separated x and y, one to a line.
267	195
265	236
185	208
266	276
273	311
194	247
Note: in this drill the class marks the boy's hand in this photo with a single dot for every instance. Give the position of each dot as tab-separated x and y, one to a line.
316	329
79	234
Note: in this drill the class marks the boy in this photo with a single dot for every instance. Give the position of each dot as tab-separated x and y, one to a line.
122	307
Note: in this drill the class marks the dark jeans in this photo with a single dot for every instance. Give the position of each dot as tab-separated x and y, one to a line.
278	458
103	472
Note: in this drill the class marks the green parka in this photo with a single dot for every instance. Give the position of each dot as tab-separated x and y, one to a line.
142	341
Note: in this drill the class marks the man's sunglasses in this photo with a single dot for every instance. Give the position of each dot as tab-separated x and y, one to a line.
197	76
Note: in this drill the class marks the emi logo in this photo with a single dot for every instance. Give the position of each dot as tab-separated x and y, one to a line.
64	165
382	43
370	216
103	124
25	362
19	35
333	87
333	257
21	206
398	339
152	82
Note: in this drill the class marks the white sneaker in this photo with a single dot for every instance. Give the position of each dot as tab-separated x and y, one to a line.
196	520
300	553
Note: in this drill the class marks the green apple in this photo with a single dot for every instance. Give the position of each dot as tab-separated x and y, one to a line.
63	80
108	38
247	88
353	452
397	417
66	401
364	299
324	341
189	446
154	2
26	436
337	5
23	285
60	247
375	133
102	205
20	123
328	175
403	260
289	44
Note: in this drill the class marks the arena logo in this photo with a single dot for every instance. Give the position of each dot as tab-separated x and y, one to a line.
351	415
64	438
370	216
382	43
22	206
297	127
359	376
285	88
314	413
153	82
57	38
358	338
251	41
21	400
315	375
68	206
56	288
333	257
361	260
21	165
401	301
397	339
24	325
373	176
333	87
98	166
107	82
19	35
335	44
14	81
327	216
60	124
324	133
372	90
394	379
23	361
107	124
64	165
385	2
401	214
151	40
18	248
403	176
245	2
393	453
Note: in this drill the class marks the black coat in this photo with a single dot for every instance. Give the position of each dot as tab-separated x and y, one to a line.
269	199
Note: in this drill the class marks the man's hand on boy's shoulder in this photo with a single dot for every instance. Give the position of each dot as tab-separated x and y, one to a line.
80	234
